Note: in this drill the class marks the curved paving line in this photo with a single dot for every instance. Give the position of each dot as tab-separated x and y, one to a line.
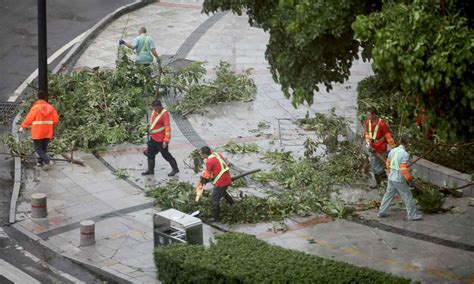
414	235
193	137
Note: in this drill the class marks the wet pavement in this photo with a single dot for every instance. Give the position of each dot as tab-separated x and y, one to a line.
123	214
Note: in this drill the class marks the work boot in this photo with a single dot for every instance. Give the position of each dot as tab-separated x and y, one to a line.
416	217
151	168
174	170
215	216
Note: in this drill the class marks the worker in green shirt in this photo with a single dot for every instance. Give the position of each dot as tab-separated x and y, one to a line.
144	47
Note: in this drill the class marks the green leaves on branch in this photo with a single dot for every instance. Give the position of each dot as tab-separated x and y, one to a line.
235	148
248	209
227	87
429	53
328	128
311	42
303	185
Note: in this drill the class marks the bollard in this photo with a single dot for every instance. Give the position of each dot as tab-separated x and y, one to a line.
87	233
38	205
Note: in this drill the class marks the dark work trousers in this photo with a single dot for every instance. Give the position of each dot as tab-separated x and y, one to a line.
41	146
155	147
217	194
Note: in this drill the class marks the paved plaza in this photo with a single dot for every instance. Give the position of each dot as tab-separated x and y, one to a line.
438	249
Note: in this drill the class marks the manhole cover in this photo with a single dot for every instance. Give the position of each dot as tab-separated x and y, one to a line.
7	110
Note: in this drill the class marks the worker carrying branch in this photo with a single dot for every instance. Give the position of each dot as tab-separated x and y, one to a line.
217	171
377	134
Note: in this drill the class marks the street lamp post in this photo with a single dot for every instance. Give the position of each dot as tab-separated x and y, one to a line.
42	49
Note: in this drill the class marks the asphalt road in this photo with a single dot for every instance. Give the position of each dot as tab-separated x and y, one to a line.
18	59
18	33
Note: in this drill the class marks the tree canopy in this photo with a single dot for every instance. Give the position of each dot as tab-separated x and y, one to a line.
429	51
311	42
425	46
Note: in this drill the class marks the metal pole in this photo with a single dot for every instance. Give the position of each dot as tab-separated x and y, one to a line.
42	49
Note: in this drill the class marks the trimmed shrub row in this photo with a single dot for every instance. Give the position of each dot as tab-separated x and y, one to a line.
241	258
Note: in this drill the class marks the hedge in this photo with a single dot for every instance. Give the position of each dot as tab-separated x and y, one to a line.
241	258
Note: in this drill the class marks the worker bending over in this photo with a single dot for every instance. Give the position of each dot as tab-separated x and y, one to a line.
217	171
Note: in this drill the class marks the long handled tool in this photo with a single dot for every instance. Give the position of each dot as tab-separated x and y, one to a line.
66	159
445	190
200	186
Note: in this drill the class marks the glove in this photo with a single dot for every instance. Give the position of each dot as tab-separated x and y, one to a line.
411	184
165	144
21	130
121	42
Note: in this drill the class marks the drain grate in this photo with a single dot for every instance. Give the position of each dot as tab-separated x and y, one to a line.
7	111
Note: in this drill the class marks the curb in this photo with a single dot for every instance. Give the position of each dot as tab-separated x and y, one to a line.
105	272
66	65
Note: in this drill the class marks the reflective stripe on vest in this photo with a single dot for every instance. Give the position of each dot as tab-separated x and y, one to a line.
373	135
394	164
43	122
155	121
145	49
224	167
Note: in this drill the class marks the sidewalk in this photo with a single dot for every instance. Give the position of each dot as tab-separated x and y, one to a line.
123	214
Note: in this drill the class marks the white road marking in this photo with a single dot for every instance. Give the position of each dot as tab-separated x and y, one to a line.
47	266
14	274
33	75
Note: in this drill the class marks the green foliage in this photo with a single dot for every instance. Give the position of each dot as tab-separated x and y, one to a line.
22	148
375	91
451	157
239	183
310	148
121	174
248	209
194	161
379	92
183	79
429	52
234	148
311	42
97	107
241	258
431	200
337	209
227	87
263	125
327	127
262	177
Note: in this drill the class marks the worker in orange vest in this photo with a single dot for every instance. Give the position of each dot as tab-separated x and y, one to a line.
217	171
160	135
43	118
377	134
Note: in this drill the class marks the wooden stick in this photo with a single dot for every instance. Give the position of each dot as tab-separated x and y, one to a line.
66	158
